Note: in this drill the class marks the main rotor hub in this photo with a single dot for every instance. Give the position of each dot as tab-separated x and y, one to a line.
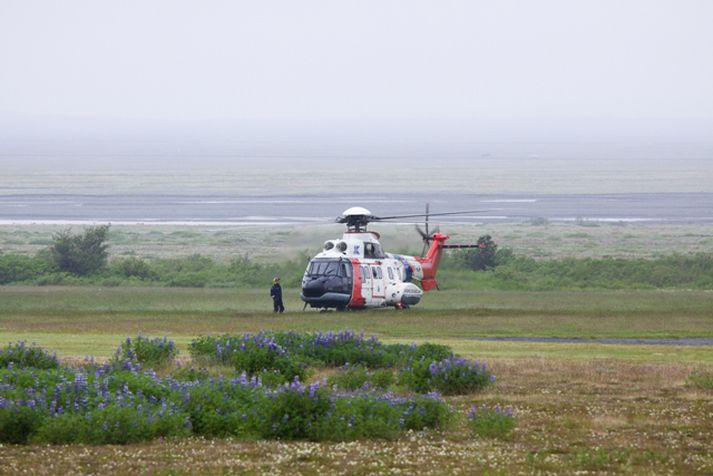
356	218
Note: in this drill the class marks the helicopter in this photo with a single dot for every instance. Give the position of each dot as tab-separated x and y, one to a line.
354	272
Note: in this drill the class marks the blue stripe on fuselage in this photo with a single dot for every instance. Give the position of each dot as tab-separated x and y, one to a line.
408	270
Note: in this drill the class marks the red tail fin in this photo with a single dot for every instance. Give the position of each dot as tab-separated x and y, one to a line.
430	262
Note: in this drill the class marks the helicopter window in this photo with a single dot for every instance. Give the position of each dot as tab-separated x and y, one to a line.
325	268
368	250
365	273
346	270
391	273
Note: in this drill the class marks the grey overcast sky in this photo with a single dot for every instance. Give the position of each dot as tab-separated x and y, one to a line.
316	59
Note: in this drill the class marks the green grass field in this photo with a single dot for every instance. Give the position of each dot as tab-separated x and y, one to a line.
588	408
78	321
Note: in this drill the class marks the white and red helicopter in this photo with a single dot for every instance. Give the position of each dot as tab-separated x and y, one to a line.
354	272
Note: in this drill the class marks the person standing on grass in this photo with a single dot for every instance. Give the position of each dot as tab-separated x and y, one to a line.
276	293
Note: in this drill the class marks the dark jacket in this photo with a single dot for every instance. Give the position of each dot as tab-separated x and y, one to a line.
276	291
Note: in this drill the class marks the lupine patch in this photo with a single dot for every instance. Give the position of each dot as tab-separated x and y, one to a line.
254	354
451	376
156	352
353	377
23	355
121	403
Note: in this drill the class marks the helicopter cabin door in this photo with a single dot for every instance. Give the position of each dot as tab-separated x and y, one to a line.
377	280
366	281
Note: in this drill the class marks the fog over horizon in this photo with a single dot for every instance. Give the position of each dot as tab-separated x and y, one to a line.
496	96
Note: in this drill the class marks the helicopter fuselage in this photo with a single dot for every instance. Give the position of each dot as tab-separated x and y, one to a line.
355	273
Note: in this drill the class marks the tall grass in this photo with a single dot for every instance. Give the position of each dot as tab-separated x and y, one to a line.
676	271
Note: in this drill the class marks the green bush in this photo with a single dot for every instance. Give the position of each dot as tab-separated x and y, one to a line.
222	408
255	354
20	268
82	254
21	355
158	351
451	376
113	424
335	349
17	423
353	377
385	416
294	411
116	403
132	267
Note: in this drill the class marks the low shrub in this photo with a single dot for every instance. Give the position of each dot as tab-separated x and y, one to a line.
19	268
288	353
353	377
426	351
293	410
491	422
17	423
22	355
132	267
159	351
113	424
254	354
346	347
224	408
118	403
190	374
451	376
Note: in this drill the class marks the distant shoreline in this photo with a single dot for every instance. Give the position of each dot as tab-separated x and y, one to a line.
281	210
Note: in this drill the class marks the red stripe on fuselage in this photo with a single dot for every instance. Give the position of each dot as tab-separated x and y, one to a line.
357	300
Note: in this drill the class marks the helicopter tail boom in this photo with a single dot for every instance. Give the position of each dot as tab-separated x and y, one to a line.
430	262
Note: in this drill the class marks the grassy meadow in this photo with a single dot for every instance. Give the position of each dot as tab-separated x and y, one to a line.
617	409
94	319
582	408
535	239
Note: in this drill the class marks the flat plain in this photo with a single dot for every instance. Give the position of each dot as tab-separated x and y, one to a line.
273	243
581	408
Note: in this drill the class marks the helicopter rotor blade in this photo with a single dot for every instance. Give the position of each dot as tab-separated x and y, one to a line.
425	236
394	217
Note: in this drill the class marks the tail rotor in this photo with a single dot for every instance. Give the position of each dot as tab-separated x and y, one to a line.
426	235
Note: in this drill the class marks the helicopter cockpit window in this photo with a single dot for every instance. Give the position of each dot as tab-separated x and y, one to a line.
329	268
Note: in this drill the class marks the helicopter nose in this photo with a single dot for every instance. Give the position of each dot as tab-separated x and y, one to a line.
314	288
327	292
